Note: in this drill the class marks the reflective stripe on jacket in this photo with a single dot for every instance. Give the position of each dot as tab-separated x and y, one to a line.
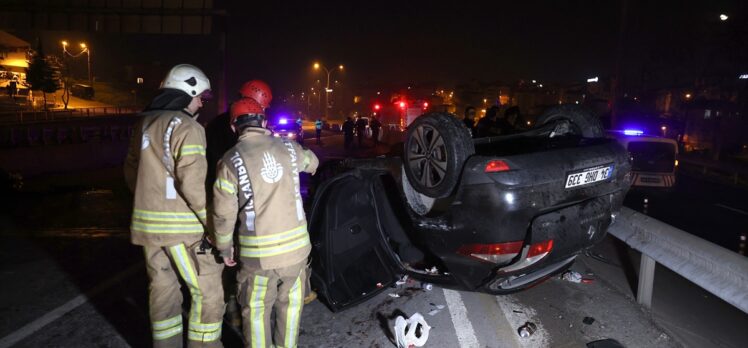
166	168
257	182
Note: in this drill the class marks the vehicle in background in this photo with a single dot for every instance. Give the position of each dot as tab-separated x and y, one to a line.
288	129
82	91
654	159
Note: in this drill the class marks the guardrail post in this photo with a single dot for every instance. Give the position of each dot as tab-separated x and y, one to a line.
646	281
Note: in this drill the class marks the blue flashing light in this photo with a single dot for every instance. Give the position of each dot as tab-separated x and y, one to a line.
632	132
283	121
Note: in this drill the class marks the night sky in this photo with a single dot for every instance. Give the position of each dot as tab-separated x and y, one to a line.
552	41
426	42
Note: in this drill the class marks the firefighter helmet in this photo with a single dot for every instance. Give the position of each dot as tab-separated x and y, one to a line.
186	78
257	90
247	110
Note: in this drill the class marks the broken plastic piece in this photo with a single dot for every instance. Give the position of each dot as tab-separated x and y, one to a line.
402	280
572	276
393	294
407	329
527	330
432	270
433	312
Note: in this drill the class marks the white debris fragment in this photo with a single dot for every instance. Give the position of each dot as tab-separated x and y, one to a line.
402	280
393	294
407	329
433	312
572	276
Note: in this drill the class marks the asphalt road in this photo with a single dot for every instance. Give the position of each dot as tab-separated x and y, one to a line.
72	279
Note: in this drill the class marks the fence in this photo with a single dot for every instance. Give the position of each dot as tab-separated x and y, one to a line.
21	117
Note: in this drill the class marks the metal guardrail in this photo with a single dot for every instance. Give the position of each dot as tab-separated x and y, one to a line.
720	271
17	117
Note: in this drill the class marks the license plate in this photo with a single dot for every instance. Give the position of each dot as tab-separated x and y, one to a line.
589	176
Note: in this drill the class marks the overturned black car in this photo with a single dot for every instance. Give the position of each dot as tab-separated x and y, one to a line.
496	214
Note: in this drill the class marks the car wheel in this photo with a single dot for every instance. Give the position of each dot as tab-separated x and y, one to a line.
435	150
574	120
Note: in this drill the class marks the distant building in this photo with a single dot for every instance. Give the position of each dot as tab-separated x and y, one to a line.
13	57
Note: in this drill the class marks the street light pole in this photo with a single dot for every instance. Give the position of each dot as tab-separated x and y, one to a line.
327	87
88	56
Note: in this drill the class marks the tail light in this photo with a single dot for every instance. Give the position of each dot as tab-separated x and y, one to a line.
499	253
496	166
676	163
541	248
503	253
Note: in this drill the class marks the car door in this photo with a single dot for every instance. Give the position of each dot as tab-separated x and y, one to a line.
351	261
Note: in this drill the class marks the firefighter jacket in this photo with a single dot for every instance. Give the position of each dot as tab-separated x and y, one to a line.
166	168
257	183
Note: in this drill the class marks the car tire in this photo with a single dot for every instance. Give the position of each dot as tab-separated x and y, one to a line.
435	150
583	122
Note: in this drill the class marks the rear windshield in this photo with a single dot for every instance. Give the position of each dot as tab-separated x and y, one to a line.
652	156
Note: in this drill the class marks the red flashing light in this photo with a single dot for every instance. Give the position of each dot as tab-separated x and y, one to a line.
402	105
496	166
540	248
377	107
425	105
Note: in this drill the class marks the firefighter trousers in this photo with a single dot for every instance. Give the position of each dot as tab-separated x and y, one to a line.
202	276
263	291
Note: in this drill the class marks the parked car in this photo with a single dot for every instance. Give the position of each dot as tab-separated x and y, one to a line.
494	215
82	91
653	159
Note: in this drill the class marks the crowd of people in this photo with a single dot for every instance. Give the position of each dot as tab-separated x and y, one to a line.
493	123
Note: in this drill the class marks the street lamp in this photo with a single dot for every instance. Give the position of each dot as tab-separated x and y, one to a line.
84	49
317	66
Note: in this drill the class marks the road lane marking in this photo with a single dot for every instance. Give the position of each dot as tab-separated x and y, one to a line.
517	315
463	326
34	326
735	210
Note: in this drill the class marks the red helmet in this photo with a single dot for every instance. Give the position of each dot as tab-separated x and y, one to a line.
257	90
246	106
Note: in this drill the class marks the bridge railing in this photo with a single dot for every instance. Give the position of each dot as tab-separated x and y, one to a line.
720	271
20	117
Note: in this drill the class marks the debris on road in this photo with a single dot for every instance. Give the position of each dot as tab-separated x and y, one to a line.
379	285
402	280
393	294
433	312
432	270
426	286
527	330
588	320
406	331
572	276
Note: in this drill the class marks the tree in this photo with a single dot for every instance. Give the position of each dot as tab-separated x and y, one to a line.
41	76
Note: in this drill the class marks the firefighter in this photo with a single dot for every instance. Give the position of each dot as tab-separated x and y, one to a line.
258	182
166	168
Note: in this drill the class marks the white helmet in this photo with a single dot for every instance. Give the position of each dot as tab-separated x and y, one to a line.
186	78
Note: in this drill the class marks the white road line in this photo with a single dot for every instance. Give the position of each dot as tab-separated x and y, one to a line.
736	210
58	312
463	326
517	315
